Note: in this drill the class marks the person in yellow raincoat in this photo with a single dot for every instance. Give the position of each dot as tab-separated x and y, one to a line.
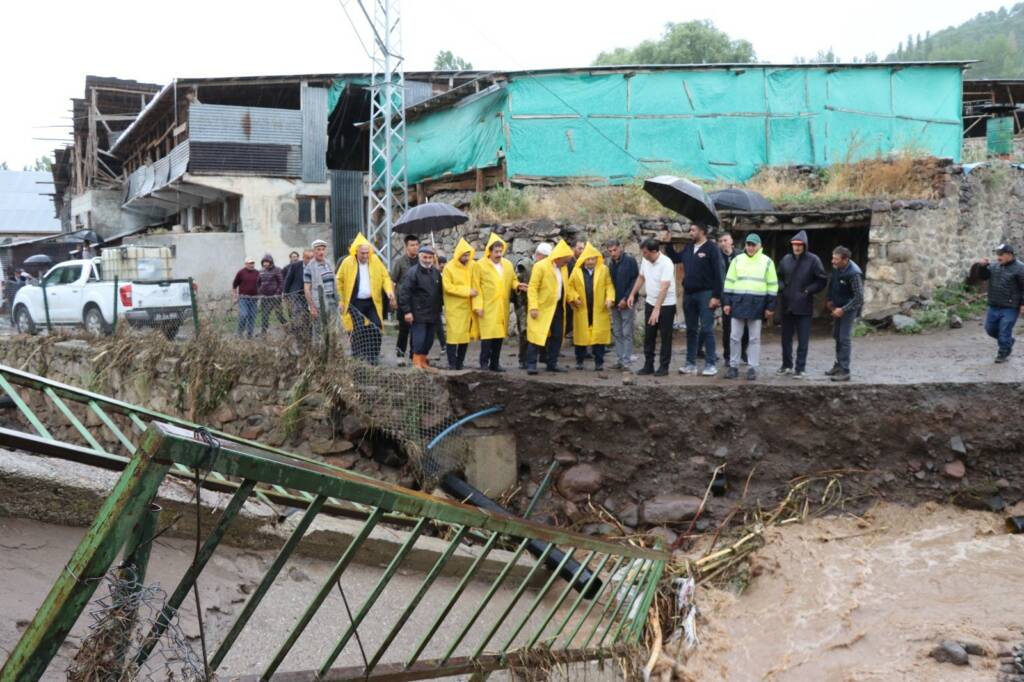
592	296
494	277
546	297
362	281
457	280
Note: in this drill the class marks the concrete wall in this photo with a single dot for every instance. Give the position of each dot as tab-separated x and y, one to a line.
270	212
209	258
106	217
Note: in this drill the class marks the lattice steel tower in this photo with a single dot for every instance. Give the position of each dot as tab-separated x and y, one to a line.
389	184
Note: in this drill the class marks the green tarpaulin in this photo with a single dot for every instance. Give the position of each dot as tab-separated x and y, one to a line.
707	123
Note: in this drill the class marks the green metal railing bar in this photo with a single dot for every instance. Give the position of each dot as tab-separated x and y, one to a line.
389	573
75	422
170	609
24	408
456	593
495	584
325	589
619	597
268	579
114	429
536	601
565	592
594	602
650	592
435	571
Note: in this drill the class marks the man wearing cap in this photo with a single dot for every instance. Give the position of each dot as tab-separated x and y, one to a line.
845	298
546	301
801	276
419	304
1005	297
524	269
244	290
749	295
319	287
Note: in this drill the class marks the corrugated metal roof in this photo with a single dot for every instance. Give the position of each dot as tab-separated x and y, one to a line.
244	125
25	206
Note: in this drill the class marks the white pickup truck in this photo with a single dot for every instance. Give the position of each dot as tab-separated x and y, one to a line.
77	294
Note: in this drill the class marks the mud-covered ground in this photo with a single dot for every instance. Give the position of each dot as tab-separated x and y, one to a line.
847	598
899	440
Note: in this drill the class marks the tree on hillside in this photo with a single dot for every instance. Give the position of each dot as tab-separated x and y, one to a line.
43	163
446	61
992	37
692	42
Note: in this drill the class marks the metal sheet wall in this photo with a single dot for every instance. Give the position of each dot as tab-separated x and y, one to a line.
314	134
244	125
347	204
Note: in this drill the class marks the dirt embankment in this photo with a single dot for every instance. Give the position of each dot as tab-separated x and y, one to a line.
629	447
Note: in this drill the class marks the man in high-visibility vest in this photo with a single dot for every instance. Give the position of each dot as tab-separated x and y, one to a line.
749	296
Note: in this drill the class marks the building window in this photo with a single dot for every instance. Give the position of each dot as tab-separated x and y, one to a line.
314	210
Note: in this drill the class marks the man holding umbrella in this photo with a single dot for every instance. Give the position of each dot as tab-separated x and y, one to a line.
407	259
419	304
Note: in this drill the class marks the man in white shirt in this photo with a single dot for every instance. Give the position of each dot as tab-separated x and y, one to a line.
657	279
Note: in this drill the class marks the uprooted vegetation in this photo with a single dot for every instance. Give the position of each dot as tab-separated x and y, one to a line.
903	176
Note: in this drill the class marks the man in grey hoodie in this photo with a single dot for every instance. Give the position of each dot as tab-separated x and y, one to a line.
801	276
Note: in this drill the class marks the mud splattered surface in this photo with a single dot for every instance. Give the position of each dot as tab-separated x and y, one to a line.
848	599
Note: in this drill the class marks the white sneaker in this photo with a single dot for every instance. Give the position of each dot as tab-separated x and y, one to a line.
688	369
710	370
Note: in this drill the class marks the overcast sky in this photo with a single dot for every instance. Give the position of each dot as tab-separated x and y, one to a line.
49	46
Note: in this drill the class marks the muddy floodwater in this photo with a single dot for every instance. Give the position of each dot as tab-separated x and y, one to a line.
845	599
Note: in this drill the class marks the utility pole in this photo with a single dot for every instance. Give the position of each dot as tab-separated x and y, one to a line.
389	184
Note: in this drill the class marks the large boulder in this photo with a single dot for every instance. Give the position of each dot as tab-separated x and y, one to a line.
579	481
669	508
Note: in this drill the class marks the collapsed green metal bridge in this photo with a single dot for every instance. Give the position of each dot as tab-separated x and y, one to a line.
604	619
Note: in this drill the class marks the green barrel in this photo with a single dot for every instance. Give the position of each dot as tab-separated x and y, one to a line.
999	135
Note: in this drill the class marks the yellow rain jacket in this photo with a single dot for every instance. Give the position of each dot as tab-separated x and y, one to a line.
380	281
598	329
457	280
543	294
495	291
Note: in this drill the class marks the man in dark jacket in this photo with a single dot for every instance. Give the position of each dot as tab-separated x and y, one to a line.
271	286
624	271
702	293
845	298
294	291
419	304
801	276
399	267
1005	297
244	290
729	253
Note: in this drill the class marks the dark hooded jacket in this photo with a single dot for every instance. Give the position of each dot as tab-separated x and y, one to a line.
421	294
293	277
1005	284
271	281
800	279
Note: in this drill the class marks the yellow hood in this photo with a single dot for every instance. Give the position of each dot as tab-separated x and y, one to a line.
561	250
589	251
494	238
359	241
462	247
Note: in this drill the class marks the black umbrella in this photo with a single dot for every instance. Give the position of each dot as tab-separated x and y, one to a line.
734	199
38	259
428	217
683	196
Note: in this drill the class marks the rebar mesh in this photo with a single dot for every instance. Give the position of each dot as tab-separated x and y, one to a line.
121	617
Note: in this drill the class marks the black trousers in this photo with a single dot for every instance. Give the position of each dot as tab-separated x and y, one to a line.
651	334
490	353
422	337
726	333
441	334
553	345
365	338
801	324
598	351
403	335
456	354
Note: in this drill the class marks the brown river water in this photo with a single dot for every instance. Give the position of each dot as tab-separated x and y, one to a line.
856	599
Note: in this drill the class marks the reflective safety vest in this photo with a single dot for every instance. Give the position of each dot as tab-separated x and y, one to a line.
751	285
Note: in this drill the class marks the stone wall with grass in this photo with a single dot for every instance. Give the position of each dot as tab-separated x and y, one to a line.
918	246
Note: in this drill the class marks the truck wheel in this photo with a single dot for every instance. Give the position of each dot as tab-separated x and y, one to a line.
170	329
92	319
23	321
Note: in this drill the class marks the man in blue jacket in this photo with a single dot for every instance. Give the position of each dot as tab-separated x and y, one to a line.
845	299
801	276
